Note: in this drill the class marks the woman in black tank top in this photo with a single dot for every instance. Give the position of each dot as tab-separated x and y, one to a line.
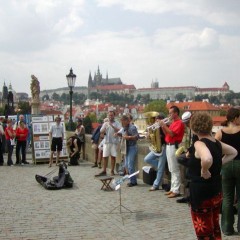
230	134
204	170
73	144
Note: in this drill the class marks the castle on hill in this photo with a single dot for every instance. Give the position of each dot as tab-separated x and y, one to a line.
105	85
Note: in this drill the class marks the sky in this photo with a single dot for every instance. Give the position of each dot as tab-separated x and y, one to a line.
174	42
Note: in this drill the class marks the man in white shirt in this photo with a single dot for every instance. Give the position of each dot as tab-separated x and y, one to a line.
56	135
111	141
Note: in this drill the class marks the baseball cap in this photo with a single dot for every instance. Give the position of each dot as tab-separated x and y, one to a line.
186	117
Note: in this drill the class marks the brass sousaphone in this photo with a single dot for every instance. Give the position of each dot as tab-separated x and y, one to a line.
153	133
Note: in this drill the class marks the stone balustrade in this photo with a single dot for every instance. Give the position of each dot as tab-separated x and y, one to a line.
143	150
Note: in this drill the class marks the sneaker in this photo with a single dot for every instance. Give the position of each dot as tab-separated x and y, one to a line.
131	184
153	188
101	174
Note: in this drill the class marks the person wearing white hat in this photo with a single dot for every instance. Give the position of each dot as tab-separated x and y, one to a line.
186	117
188	147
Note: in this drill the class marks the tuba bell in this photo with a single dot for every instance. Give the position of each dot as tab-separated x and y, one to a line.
153	133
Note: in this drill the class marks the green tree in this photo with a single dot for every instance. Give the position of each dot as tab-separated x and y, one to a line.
102	117
56	97
1	111
223	112
199	98
180	97
24	108
95	95
45	97
214	100
65	98
93	117
157	106
229	97
87	124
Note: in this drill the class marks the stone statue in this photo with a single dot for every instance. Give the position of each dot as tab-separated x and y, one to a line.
35	89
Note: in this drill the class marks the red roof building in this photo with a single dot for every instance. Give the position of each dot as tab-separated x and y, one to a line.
196	107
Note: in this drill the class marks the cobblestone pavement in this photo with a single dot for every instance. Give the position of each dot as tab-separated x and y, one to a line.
28	211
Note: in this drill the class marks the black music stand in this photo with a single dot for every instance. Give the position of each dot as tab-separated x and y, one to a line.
120	206
118	184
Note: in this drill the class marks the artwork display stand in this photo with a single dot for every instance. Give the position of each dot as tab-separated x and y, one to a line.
41	142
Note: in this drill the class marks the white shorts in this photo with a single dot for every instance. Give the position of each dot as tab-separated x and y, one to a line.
109	149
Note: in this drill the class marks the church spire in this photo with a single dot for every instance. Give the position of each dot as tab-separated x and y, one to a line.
90	82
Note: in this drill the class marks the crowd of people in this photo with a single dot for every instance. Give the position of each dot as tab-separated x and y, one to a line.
14	133
211	162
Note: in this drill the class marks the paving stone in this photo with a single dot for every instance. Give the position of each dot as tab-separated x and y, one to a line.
30	212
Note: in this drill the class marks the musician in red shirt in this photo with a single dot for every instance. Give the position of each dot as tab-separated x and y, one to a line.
173	137
21	136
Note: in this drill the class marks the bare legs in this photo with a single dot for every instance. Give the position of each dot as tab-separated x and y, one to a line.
51	158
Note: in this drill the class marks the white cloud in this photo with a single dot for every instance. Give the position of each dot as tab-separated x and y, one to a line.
46	38
214	11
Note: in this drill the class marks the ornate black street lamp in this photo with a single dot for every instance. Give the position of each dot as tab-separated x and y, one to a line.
71	78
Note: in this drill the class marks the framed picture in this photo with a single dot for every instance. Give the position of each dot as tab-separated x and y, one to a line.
63	153
42	138
40	128
42	145
42	154
40	119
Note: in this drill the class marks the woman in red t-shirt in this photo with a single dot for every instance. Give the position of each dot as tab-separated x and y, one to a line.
10	135
21	136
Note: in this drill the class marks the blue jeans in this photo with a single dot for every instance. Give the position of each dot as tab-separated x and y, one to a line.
130	162
158	162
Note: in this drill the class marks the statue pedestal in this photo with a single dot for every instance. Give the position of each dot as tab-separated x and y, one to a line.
35	108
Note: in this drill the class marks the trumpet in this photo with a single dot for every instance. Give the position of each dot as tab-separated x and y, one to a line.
157	124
